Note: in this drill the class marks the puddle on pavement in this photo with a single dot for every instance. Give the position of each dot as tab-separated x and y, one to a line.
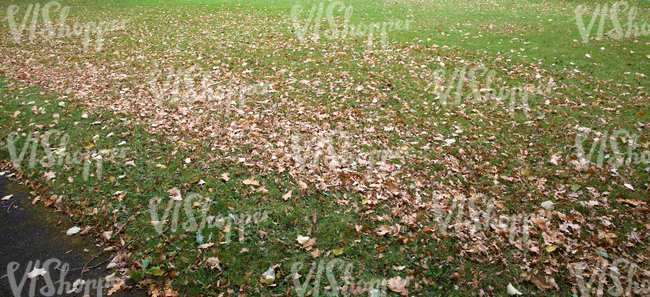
30	233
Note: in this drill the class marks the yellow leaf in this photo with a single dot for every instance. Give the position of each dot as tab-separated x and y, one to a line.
157	272
338	251
550	249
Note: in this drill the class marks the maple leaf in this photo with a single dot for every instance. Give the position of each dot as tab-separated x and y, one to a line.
175	194
398	285
50	175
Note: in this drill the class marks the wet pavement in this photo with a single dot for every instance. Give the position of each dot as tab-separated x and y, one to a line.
32	232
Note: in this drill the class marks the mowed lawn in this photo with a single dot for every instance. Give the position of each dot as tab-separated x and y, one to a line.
218	139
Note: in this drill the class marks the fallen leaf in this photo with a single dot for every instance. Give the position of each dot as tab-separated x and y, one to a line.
36	273
107	235
129	163
302	239
398	285
547	205
629	186
225	176
50	175
286	196
7	197
73	230
635	203
512	290
251	181
206	245
213	262
268	277
382	230
115	287
175	194
545	285
156	271
337	252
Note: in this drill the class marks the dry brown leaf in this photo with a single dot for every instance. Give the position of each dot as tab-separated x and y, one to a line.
213	262
171	293
206	245
262	234
632	202
398	285
383	230
286	196
544	285
115	287
251	181
175	194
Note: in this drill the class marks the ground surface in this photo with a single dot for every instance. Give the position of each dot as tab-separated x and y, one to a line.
319	150
30	232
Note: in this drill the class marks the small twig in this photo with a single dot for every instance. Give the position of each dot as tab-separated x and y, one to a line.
10	205
85	266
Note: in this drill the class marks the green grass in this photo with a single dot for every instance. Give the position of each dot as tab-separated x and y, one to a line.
501	153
